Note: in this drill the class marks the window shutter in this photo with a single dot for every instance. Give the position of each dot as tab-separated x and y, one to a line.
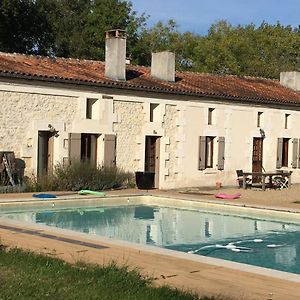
202	149
298	166
74	146
279	153
109	150
221	153
295	153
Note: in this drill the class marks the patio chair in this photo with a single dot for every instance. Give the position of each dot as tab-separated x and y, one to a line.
240	174
281	182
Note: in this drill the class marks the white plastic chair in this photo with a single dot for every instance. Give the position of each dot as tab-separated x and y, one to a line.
281	182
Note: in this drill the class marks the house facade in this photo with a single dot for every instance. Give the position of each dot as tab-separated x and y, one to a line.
190	129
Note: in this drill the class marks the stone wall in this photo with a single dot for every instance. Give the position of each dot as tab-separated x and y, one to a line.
170	129
19	110
128	128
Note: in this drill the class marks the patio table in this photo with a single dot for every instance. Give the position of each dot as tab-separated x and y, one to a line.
264	175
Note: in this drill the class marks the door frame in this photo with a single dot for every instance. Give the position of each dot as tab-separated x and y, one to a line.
45	152
156	148
89	147
257	164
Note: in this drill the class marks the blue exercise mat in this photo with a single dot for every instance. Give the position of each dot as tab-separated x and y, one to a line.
44	196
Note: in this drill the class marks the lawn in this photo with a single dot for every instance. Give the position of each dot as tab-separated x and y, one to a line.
24	275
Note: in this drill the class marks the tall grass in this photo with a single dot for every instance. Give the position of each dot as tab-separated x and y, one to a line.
79	176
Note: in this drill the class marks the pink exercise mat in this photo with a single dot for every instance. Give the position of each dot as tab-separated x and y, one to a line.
228	196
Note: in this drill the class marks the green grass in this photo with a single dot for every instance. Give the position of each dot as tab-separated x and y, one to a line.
24	275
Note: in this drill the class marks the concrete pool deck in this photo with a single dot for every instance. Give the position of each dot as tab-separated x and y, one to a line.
175	270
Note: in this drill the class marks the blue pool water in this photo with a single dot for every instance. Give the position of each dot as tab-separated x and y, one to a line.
265	243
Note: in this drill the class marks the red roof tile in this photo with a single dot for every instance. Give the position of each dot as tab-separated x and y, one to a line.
198	84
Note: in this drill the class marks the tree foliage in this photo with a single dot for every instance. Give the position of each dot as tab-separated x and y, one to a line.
75	28
68	28
79	25
246	50
24	27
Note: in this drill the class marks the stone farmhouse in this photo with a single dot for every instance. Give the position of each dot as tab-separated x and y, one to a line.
191	129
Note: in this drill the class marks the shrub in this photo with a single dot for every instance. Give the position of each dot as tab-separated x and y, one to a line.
79	176
41	183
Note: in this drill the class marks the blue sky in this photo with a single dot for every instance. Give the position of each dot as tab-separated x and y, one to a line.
197	15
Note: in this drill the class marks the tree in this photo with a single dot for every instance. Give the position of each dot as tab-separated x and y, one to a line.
246	50
75	28
106	15
166	37
23	27
68	28
78	26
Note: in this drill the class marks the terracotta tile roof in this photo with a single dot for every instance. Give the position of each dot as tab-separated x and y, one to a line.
138	78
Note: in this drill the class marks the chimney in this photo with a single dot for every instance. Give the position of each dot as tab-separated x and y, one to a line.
163	66
290	80
115	54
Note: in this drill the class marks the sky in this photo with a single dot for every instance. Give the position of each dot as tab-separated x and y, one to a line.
197	15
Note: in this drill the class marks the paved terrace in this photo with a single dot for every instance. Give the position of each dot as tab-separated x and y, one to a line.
203	278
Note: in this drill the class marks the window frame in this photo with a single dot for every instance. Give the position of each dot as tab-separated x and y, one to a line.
210	116
153	112
285	152
90	108
209	152
209	146
259	117
286	121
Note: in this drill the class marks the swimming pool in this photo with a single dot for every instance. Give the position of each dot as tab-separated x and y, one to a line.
258	241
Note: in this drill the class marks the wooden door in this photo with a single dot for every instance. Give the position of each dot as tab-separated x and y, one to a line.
257	158
157	159
85	154
74	147
50	153
152	157
45	152
109	150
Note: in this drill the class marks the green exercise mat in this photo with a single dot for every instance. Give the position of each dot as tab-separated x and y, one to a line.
88	192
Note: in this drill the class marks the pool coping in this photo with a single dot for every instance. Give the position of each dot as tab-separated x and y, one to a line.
149	193
255	210
154	249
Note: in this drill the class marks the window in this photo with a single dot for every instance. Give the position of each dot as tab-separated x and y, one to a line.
285	152
259	117
286	121
90	108
208	147
66	143
209	153
153	112
210	116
